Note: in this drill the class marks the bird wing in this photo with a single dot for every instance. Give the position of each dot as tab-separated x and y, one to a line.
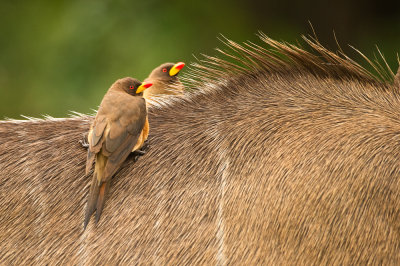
95	138
124	131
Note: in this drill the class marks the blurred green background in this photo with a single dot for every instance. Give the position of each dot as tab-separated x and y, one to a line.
57	56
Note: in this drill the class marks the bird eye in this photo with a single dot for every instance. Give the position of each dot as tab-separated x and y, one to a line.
164	70
131	87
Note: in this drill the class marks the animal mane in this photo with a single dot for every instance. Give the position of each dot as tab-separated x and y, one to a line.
283	58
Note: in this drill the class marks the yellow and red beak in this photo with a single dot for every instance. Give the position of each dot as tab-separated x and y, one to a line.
176	68
144	86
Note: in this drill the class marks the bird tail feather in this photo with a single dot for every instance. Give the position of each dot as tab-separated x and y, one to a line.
101	199
98	191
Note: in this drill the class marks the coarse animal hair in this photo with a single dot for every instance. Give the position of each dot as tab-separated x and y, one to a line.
282	157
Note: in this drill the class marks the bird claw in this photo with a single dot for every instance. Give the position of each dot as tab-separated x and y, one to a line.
84	142
141	152
145	146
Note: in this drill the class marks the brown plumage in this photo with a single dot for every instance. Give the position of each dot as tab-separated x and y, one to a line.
284	158
120	126
165	81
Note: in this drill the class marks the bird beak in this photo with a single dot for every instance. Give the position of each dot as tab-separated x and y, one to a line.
144	86
176	68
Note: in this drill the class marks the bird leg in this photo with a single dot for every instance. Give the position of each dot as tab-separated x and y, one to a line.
145	146
84	141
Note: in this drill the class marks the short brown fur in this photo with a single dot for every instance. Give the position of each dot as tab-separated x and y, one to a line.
267	162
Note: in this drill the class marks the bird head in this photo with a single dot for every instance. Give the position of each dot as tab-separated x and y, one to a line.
166	72
132	86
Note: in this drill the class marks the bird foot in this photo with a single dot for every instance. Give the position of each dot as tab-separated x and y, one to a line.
141	152
84	141
145	146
